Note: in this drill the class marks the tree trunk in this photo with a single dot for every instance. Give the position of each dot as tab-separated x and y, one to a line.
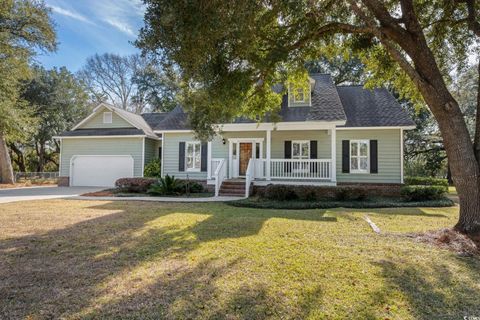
20	161
476	144
6	169
461	156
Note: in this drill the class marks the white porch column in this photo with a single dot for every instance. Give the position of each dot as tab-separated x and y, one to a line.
209	160
333	135
269	148
401	155
230	158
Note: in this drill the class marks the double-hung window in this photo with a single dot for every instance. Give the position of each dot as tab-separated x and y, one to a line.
300	151
193	156
299	95
359	162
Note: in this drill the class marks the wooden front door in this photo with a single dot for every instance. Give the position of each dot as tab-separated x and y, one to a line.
245	155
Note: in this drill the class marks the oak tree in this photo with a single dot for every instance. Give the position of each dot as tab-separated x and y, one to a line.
232	53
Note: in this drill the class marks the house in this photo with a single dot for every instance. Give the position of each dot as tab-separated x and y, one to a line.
326	135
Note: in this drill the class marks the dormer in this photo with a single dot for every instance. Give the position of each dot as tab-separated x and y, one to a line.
301	95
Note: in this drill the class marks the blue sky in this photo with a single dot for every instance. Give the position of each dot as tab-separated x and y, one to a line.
86	27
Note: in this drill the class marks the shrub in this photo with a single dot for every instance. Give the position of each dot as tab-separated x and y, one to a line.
350	193
167	185
191	186
306	193
153	169
140	185
422	193
426	181
280	192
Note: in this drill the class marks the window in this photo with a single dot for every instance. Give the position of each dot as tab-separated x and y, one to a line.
359	156
107	117
301	149
193	156
299	95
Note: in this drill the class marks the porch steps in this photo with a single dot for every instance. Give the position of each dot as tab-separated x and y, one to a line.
233	188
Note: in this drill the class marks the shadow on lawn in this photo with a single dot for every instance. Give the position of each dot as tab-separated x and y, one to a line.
434	292
67	272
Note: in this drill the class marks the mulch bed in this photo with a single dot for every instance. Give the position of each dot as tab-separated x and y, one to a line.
451	239
103	193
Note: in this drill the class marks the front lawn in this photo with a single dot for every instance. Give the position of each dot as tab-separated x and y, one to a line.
98	259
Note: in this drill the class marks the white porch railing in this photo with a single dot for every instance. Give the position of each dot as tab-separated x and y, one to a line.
249	176
219	175
214	164
319	169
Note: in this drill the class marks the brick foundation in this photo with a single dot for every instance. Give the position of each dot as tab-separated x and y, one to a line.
63	181
371	189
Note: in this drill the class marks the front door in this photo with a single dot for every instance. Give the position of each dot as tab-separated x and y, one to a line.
245	156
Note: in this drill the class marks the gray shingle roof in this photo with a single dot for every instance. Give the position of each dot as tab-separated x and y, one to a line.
358	106
372	108
326	105
102	132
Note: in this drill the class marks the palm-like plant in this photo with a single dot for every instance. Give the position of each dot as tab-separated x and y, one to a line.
167	185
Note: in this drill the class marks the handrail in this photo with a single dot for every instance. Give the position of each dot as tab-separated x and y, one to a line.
249	176
219	174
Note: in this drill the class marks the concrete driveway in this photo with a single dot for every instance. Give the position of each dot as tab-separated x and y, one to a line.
41	193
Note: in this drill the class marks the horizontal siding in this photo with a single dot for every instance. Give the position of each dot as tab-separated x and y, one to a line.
170	156
101	146
97	121
151	150
322	137
388	155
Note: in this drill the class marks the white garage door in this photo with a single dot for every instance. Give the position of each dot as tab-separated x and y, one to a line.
100	171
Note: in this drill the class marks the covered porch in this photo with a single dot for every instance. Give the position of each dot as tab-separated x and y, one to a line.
276	154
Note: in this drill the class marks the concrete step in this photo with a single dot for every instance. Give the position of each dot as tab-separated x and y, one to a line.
231	194
230	187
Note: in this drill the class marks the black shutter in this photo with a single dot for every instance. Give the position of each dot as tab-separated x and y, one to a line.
204	159
313	155
288	155
288	150
373	156
160	153
346	156
181	156
313	149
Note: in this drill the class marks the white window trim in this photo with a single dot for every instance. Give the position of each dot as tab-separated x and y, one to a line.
295	97
186	156
301	141
367	142
105	119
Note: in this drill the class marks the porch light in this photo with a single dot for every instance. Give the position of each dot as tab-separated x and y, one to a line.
224	141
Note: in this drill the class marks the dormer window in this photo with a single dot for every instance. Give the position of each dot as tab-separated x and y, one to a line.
107	117
299	95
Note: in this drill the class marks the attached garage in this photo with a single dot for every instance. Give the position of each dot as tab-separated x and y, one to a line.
109	144
100	171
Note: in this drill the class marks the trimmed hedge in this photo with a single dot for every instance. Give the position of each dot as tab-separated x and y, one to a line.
426	181
136	185
260	203
279	192
420	193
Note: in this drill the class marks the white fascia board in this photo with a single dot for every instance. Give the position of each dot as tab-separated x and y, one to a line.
95	137
172	131
95	111
297	125
377	128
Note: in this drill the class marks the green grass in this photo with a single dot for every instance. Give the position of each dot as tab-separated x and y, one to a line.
97	259
261	203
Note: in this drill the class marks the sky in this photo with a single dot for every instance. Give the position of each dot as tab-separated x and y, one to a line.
86	27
